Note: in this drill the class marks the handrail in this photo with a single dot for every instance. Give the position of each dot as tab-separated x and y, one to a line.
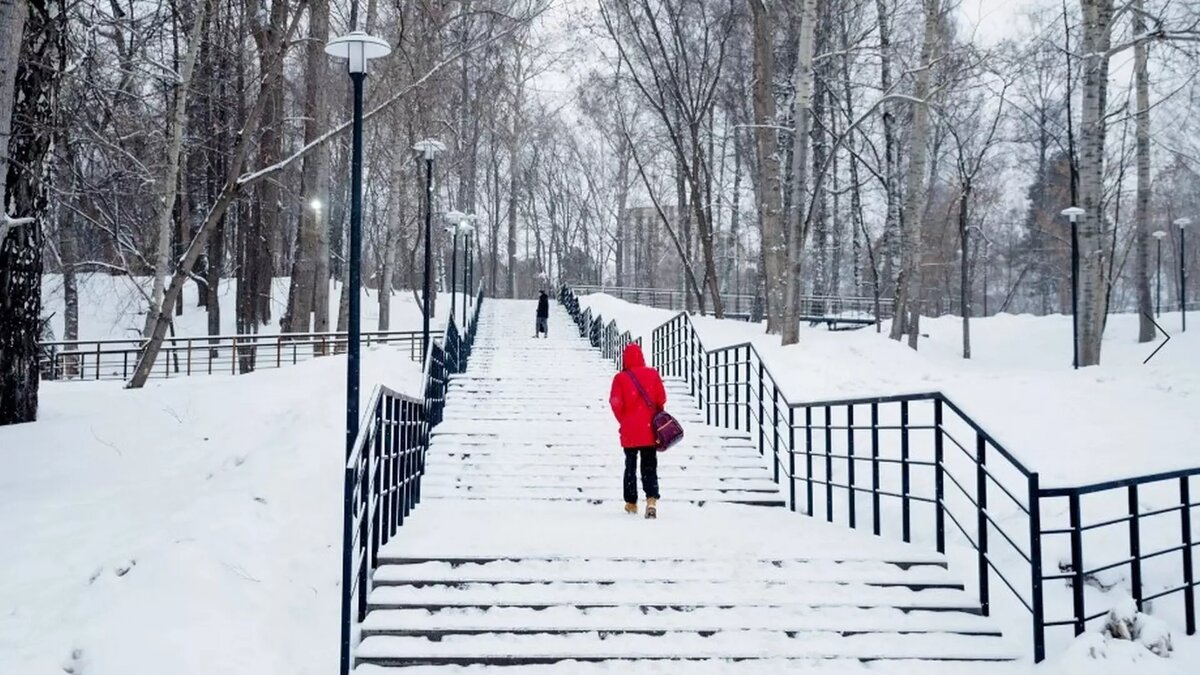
201	354
384	467
925	454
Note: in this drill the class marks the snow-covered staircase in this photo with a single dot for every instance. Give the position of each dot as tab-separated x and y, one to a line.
520	553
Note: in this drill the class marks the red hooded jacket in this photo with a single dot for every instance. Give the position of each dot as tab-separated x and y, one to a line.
627	403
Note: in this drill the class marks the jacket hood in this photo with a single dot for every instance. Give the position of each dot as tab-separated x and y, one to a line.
633	357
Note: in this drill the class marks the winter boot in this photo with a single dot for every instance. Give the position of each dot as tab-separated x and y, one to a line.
651	508
631	507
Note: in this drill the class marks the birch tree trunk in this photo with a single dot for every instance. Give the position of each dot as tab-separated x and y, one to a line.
908	283
803	82
1097	38
1141	217
169	181
770	182
12	27
893	232
29	85
313	193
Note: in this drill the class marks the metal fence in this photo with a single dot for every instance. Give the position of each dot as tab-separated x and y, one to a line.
382	482
203	355
918	468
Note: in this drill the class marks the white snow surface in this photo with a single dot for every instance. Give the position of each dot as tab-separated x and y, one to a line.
1116	420
193	526
113	307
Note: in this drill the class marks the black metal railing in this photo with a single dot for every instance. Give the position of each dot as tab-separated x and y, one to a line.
383	472
918	468
203	355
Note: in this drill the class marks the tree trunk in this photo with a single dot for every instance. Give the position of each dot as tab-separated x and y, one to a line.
770	182
1141	218
314	200
29	84
514	185
169	181
391	246
908	286
1097	36
803	105
893	227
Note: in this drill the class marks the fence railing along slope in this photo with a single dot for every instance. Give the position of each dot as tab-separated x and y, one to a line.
910	464
384	469
203	355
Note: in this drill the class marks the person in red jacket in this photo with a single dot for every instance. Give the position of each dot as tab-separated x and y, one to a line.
637	394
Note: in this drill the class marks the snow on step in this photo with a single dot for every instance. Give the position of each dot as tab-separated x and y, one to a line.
520	554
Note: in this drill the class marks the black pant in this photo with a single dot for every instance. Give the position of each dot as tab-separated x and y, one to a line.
649	473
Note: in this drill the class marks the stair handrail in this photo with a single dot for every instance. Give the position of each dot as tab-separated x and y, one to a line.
736	389
384	467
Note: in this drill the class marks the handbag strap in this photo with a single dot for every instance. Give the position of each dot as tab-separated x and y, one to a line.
642	391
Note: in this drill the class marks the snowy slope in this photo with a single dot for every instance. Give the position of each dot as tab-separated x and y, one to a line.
1119	419
193	526
113	307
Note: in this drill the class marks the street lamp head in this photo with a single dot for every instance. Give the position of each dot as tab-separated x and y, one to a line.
1074	213
1183	222
465	227
455	217
1159	234
430	148
315	205
357	49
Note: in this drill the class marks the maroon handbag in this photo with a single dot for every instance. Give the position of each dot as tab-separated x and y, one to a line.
667	430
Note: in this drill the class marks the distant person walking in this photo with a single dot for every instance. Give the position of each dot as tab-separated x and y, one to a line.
543	316
637	395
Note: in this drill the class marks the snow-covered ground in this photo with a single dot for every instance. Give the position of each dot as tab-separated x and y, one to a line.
114	307
1119	419
193	526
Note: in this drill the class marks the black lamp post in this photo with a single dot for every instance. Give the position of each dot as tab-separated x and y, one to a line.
456	218
357	49
1158	237
429	150
467	228
1182	223
1073	213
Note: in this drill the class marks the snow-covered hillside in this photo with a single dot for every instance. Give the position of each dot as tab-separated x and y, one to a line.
193	526
113	307
1121	418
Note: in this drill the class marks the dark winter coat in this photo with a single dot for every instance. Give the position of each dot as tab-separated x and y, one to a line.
543	307
627	403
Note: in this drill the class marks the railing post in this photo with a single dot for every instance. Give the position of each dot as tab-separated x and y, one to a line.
875	468
775	427
1077	563
905	501
792	458
851	510
1036	601
939	477
981	522
708	409
828	464
761	421
1135	547
808	458
730	401
1185	521
748	385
